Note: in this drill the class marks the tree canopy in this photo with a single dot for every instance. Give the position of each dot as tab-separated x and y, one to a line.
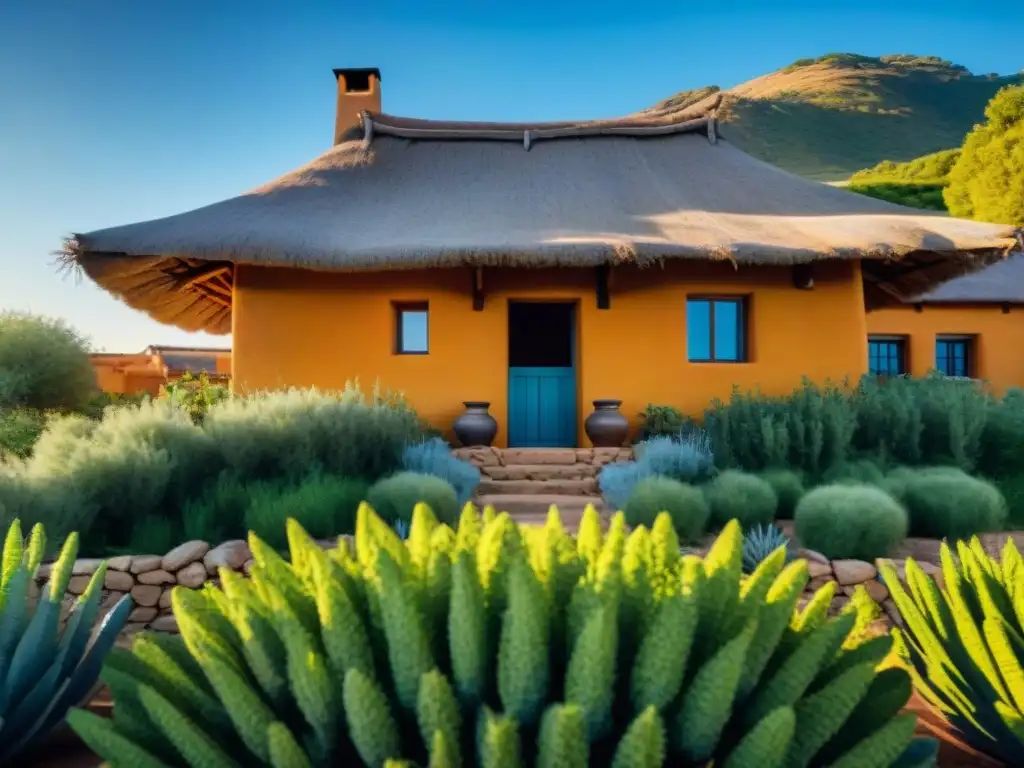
44	364
987	181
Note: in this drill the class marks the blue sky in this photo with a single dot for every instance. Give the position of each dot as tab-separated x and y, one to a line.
113	112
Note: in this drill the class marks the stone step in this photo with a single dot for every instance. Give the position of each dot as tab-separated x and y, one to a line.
533	509
561	456
542	472
565	487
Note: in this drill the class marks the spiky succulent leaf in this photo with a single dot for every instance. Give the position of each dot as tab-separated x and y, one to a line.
643	744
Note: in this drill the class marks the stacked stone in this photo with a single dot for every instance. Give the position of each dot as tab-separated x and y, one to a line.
850	574
149	579
559	471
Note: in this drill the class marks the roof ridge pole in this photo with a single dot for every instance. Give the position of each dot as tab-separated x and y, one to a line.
367	121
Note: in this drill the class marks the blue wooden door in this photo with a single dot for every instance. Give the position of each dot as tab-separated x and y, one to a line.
542	407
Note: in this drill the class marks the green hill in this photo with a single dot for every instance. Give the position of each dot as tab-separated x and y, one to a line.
830	117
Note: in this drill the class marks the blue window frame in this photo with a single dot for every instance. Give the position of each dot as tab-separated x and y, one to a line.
411	326
716	330
953	355
887	355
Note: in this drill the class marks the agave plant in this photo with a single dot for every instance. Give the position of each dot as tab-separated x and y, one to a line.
500	645
44	671
760	543
964	644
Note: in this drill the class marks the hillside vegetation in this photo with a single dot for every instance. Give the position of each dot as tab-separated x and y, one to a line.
829	117
983	180
918	183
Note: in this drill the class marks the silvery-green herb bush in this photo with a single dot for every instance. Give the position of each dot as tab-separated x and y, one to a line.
46	669
499	645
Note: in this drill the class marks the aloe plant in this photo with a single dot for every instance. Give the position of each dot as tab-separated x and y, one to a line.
964	644
501	645
45	670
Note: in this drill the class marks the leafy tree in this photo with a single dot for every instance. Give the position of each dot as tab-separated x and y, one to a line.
44	364
987	182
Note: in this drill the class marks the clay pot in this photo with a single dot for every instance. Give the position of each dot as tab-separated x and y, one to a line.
606	426
475	426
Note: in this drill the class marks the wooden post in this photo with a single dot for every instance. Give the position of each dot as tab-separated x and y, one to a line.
604	299
478	289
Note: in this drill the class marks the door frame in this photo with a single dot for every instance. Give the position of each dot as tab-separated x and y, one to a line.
574	328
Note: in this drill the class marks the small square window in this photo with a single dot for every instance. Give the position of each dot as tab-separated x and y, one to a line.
411	325
887	355
954	355
716	330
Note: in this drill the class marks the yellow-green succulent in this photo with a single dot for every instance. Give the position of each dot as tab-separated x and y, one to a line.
500	645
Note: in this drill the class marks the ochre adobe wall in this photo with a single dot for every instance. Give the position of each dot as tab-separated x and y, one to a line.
296	328
999	337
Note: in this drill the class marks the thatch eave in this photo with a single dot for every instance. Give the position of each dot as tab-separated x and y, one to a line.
477	194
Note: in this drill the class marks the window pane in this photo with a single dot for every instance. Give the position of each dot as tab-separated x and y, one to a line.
698	330
941	357
413	330
727	330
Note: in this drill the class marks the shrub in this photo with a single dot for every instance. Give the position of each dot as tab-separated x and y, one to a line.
858	472
288	434
435	457
735	495
809	430
947	503
1012	489
688	459
20	428
154	534
969	652
1002	441
44	364
930	420
663	421
789	489
487	647
150	461
48	667
684	504
324	505
218	513
618	480
850	521
195	395
395	497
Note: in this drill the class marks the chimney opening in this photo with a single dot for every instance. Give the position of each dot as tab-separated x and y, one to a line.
357	81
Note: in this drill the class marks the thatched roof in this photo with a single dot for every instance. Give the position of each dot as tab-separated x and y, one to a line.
405	193
1003	282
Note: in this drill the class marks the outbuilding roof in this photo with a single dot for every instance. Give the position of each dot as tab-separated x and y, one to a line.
401	193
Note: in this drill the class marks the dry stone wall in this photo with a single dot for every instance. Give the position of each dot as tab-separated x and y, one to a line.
149	579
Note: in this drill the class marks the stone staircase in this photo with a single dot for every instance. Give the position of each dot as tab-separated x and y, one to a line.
525	482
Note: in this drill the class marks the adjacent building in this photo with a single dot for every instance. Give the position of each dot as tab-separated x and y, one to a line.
147	371
536	266
972	327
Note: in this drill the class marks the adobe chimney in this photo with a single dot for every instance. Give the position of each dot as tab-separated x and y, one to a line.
358	90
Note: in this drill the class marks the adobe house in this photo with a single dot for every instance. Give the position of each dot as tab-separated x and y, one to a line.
972	326
149	370
537	266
